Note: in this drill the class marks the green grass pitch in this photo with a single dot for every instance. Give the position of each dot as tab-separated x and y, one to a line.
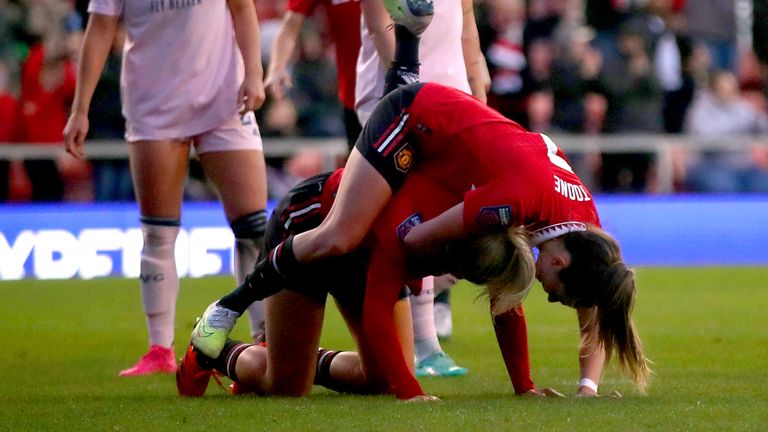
706	329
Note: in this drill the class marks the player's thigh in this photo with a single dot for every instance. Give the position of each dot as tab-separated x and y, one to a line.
232	156
159	170
293	325
240	178
362	193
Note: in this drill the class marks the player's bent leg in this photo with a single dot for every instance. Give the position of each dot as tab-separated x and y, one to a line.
294	322
362	193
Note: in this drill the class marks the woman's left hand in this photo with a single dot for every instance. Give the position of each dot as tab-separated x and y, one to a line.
251	95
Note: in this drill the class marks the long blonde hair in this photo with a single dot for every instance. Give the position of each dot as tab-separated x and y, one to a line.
502	262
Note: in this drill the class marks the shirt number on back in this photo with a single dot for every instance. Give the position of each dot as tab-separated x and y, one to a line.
553	156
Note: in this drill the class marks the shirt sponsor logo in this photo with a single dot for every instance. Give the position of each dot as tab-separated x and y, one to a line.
495	215
404	159
571	191
407	225
164	5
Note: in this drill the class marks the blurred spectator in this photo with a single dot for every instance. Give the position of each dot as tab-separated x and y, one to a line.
673	60
501	24
573	76
8	111
713	23
537	77
543	18
47	89
606	17
721	110
111	177
633	97
718	113
316	88
13	38
760	38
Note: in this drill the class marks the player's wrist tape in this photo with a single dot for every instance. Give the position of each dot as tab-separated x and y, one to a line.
588	383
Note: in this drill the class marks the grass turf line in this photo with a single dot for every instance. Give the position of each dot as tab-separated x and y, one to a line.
704	328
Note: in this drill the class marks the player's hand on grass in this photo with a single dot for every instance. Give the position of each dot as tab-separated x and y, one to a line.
422	398
587	392
544	392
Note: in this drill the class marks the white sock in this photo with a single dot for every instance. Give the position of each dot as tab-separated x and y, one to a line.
246	254
424	334
159	280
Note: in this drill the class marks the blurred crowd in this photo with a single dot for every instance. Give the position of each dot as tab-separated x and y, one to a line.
695	67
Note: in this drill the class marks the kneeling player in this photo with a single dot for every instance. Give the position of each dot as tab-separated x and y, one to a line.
294	316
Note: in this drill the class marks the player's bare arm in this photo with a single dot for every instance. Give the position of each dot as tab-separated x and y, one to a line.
477	70
591	353
379	25
278	80
251	95
429	237
97	42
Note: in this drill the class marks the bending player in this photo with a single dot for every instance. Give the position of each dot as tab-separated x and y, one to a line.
447	52
290	364
497	174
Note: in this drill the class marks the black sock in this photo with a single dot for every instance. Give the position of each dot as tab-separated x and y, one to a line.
227	360
405	67
406	48
284	261
268	277
323	371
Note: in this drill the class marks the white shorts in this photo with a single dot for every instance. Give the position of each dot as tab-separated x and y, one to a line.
237	133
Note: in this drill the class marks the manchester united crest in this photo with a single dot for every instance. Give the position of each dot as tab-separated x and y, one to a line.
404	159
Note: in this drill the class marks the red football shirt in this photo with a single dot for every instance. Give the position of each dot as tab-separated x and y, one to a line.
420	199
465	151
503	173
344	24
